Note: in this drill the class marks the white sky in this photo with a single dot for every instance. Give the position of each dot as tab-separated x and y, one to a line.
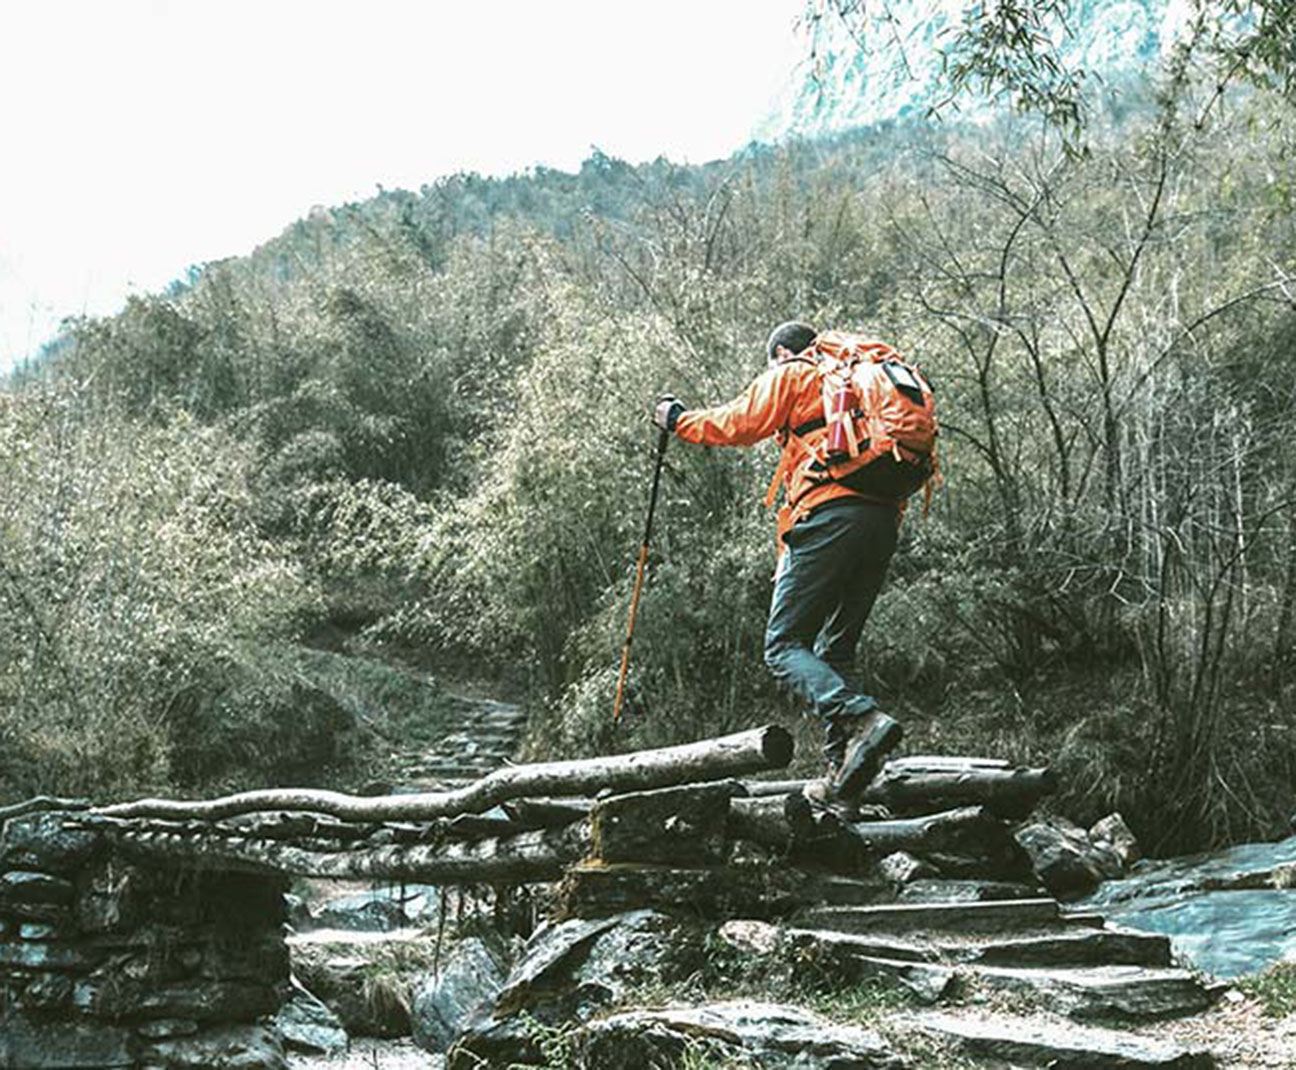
138	137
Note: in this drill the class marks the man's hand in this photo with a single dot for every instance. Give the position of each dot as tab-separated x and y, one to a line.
667	412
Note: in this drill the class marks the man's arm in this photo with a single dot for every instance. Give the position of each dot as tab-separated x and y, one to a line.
758	412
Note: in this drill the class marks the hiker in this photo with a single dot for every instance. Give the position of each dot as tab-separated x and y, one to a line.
835	543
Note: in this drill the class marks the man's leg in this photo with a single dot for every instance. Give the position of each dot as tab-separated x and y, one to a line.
835	564
838	638
820	554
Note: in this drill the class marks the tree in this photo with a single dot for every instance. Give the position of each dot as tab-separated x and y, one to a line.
1016	51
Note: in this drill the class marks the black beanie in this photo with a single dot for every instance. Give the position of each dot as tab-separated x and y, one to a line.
794	336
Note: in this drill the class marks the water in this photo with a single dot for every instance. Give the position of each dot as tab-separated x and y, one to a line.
1220	911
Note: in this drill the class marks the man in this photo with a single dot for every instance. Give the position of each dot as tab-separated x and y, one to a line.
835	545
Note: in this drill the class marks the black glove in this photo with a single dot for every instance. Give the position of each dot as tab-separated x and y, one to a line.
667	412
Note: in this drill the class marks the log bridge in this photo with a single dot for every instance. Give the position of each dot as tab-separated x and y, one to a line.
150	933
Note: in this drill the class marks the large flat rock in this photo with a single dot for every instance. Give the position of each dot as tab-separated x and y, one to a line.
1134	992
1062	1045
1080	947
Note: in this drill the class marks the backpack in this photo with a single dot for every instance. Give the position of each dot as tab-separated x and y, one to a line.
877	434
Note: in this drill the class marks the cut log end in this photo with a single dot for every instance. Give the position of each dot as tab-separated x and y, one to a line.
777	746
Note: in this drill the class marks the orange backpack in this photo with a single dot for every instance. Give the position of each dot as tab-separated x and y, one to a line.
878	431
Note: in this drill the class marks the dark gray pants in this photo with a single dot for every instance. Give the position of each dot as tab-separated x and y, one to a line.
828	580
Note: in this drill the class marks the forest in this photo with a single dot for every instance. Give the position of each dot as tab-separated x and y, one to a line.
414	432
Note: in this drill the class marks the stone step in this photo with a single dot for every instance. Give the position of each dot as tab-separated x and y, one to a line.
1085	947
1114	947
821	943
453	770
994	916
1102	991
1061	1045
485	732
484	710
939	890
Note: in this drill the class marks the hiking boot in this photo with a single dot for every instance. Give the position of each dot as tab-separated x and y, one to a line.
841	727
874	739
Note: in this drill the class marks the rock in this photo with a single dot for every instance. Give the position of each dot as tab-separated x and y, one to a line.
768	1035
576	966
1066	861
42	842
166	1028
1112	832
569	971
993	916
114	898
964	891
900	867
751	937
22	886
644	947
1105	991
1065	1047
47	955
1093	947
62	1045
308	1026
118	996
371	912
50	993
550	956
233	1047
349	976
444	1002
843	959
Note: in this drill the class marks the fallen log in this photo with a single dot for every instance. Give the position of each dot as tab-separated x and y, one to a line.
757	788
778	821
548	813
535	856
908	788
709	759
966	829
40	804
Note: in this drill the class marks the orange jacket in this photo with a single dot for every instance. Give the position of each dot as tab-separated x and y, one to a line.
783	397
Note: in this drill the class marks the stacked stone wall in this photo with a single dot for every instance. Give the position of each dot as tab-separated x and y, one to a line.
106	964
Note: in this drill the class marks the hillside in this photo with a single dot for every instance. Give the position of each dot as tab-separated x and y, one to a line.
413	430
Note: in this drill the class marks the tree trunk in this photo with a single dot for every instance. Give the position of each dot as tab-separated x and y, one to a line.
969	829
710	759
778	821
1005	792
40	804
539	855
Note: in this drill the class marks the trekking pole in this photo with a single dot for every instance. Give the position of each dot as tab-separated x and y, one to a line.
639	575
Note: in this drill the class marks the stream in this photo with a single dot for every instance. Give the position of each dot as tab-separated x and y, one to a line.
1222	911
